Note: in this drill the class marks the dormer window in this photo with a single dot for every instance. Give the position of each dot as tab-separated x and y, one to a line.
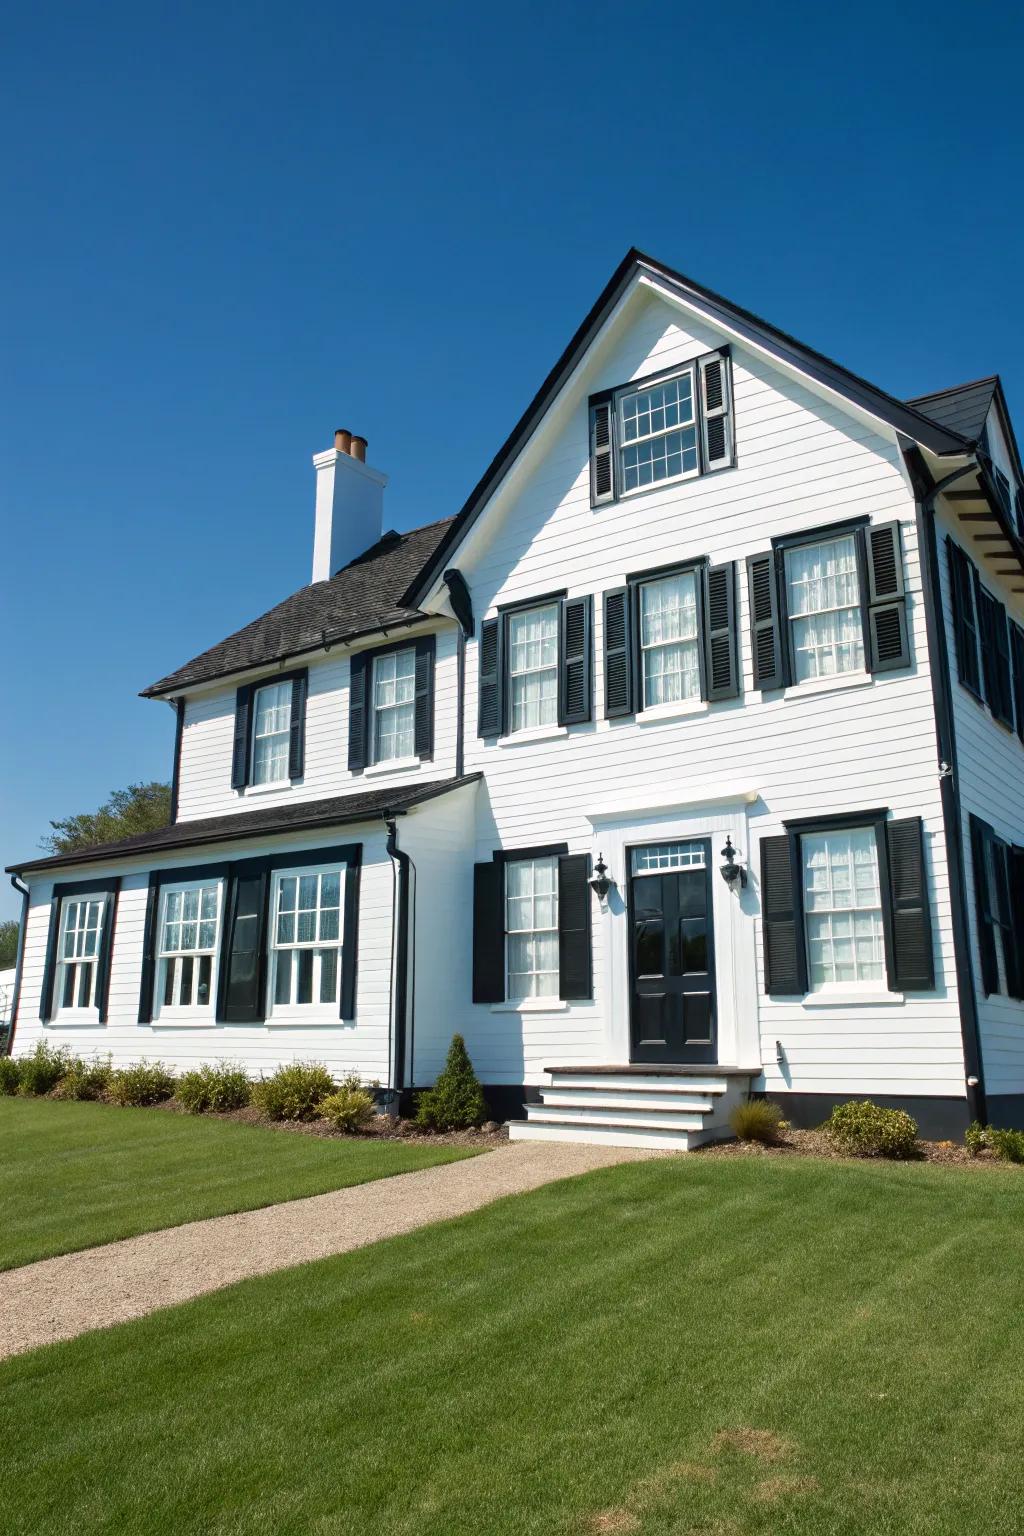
394	705
270	731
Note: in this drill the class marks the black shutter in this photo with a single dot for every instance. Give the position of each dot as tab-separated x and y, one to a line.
358	712
1018	507
149	937
716	410
297	729
424	740
913	960
765	622
350	942
986	938
179	732
242	964
1016	874
105	956
575	980
602	474
961	597
490	710
50	963
618	653
785	962
1002	708
888	637
575	657
1017	648
721	660
488	933
243	728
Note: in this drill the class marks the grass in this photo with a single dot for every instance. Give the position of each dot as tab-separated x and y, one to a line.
75	1175
677	1348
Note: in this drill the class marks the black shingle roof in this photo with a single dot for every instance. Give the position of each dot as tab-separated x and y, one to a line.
363	597
963	409
303	816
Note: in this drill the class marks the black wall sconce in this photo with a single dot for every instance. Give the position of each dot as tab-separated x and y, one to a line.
601	881
734	875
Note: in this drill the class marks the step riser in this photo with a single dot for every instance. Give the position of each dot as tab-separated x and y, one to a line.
617	1117
687	1104
612	1084
592	1135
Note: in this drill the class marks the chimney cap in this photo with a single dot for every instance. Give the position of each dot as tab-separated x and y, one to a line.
358	448
343	440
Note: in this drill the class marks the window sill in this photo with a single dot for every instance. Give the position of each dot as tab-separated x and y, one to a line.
851	997
80	1016
308	1016
839	684
539	733
532	1005
659	712
167	1019
268	789
393	765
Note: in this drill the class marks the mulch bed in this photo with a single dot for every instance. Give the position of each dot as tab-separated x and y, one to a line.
817	1144
381	1128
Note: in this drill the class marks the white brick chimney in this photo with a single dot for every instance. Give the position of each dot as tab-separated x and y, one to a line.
349	505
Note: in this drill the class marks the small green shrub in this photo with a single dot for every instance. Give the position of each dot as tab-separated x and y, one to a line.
869	1130
351	1108
10	1075
758	1120
146	1082
43	1070
213	1088
294	1092
85	1079
976	1139
1008	1145
456	1100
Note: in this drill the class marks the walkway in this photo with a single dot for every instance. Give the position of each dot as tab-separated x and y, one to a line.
77	1292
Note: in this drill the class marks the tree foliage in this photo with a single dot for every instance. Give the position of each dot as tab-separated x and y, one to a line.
139	808
8	944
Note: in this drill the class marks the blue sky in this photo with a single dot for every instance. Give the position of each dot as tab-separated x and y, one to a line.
229	229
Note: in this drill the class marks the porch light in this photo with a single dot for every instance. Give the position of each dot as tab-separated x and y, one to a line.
733	874
600	881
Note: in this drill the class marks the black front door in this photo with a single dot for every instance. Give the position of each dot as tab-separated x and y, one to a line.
672	963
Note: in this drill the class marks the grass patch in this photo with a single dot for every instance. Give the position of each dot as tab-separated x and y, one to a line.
675	1348
75	1175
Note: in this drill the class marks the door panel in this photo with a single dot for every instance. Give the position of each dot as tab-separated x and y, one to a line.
672	1010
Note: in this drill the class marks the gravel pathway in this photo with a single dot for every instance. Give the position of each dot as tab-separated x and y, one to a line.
59	1298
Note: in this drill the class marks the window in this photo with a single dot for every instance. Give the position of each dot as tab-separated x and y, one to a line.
394	705
842	908
998	890
657	857
306	938
272	718
531	928
658	433
533	668
669	643
188	942
823	605
80	939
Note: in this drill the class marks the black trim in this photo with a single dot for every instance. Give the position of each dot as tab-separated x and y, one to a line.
938	1119
505	856
179	731
109	887
400	958
575	660
524	604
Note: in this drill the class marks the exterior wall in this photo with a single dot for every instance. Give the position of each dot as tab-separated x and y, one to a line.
801	463
990	761
205	775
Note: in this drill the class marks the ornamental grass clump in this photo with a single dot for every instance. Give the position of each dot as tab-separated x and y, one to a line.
351	1108
865	1129
42	1071
85	1079
294	1092
213	1088
456	1100
758	1120
145	1082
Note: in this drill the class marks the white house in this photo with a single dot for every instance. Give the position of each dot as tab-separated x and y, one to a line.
687	759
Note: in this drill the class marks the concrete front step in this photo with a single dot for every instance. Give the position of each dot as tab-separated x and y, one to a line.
630	1119
634	1083
677	1108
584	1098
612	1136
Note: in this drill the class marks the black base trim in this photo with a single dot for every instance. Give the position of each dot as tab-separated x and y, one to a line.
505	1101
938	1119
1006	1111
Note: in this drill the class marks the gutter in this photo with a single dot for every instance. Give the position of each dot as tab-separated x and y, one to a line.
19	962
401	966
926	493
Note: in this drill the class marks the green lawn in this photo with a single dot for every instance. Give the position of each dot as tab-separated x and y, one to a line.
589	1358
74	1175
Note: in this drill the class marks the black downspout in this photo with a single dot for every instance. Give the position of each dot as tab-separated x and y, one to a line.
179	728
19	962
926	492
462	607
405	870
460	698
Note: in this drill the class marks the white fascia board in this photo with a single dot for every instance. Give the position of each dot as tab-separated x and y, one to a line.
701	795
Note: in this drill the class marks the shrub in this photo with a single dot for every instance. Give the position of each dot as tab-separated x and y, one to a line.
1008	1145
758	1120
351	1108
146	1082
976	1139
43	1070
869	1130
294	1092
456	1100
10	1075
85	1079
213	1087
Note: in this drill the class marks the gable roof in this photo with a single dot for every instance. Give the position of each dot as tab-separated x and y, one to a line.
301	816
900	414
363	597
964	408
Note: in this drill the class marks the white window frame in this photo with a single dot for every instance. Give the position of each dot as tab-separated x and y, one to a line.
873	984
167	958
295	1011
380	710
528	997
282	778
91	1009
512	617
641	387
818	541
694	573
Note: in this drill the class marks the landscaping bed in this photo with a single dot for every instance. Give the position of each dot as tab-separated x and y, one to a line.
796	1143
380	1128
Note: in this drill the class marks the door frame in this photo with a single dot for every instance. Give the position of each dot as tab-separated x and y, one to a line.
712	971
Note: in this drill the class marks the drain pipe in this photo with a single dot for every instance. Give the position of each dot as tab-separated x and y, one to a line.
402	967
19	962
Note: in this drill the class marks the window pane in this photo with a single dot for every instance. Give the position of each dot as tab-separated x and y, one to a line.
283	977
289	890
330	890
533	668
531	923
329	928
271	729
842	908
668	639
84	985
205	976
304	985
328	975
68	994
823	597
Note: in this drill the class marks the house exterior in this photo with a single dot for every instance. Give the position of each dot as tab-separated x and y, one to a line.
686	760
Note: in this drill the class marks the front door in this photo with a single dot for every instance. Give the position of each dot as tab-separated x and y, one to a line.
672	963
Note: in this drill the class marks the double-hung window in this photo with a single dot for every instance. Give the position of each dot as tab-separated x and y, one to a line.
80	939
999	904
533	668
843	909
823	602
272	718
394	705
306	937
670	639
531	928
186	957
658	432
